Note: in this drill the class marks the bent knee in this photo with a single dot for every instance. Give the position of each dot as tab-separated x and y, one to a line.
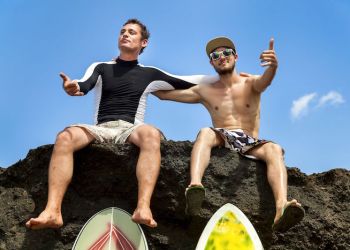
64	141
273	149
149	136
64	137
206	136
150	133
206	132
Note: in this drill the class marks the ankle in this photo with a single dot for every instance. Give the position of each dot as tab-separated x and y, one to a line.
142	203
280	203
52	210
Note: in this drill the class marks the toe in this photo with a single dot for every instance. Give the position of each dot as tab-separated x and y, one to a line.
153	223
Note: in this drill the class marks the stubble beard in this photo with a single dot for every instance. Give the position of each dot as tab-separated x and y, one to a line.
225	71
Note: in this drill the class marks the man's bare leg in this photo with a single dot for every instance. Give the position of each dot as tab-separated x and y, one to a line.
277	177
60	175
147	138
200	156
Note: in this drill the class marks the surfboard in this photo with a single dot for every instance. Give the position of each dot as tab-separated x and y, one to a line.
111	229
229	229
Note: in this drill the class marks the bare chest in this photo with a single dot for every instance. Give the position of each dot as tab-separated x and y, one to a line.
235	99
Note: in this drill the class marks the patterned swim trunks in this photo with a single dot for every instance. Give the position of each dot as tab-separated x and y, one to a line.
239	141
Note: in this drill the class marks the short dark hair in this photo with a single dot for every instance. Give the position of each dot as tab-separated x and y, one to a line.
144	31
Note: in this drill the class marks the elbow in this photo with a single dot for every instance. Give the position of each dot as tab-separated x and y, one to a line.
160	95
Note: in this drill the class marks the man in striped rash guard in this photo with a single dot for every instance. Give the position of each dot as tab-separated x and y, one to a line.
122	86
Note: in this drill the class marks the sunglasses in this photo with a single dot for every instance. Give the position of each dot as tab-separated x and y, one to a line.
226	52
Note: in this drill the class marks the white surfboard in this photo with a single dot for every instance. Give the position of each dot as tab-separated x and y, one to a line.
111	229
229	229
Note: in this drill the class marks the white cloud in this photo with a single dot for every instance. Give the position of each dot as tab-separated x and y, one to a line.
332	98
300	106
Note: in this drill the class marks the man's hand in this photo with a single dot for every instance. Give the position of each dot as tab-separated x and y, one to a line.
268	57
71	87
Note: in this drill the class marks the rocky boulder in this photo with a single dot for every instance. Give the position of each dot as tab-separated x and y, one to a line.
104	176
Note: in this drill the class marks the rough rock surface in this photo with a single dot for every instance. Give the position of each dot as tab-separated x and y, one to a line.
104	176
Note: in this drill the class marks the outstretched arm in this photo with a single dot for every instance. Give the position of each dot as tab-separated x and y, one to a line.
268	59
71	87
190	95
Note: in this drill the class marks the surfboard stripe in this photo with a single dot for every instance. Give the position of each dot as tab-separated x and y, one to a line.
111	229
124	242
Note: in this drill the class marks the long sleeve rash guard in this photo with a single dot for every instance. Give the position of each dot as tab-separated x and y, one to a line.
122	88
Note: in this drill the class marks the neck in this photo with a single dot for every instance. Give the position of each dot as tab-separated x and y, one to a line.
128	56
229	79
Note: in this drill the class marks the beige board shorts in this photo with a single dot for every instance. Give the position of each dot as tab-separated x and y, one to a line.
116	132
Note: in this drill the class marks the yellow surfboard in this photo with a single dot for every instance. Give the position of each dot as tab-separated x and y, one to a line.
111	229
229	229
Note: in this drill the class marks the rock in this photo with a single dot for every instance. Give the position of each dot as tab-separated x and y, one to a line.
104	176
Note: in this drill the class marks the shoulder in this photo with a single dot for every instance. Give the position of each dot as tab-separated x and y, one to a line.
153	72
101	64
249	79
150	68
203	88
248	76
207	85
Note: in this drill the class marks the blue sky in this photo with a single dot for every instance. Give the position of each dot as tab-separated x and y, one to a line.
306	109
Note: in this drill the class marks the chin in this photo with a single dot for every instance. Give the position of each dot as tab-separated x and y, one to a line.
225	70
126	49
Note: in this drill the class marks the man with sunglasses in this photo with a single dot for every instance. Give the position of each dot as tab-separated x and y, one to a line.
122	86
234	105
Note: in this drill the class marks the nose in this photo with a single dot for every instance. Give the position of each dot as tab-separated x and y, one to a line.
222	57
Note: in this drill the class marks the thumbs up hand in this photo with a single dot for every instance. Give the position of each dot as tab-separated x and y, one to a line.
268	57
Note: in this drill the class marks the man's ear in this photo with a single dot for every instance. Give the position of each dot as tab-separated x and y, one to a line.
236	57
211	62
144	43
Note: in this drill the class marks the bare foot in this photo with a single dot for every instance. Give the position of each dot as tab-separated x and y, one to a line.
45	220
144	216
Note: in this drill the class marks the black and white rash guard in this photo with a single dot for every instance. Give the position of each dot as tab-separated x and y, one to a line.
122	88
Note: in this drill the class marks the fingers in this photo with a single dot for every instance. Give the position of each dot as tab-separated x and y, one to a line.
265	64
271	48
66	80
64	76
78	94
74	92
268	57
271	44
72	88
269	62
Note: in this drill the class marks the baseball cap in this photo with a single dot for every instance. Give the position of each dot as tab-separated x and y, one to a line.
219	42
